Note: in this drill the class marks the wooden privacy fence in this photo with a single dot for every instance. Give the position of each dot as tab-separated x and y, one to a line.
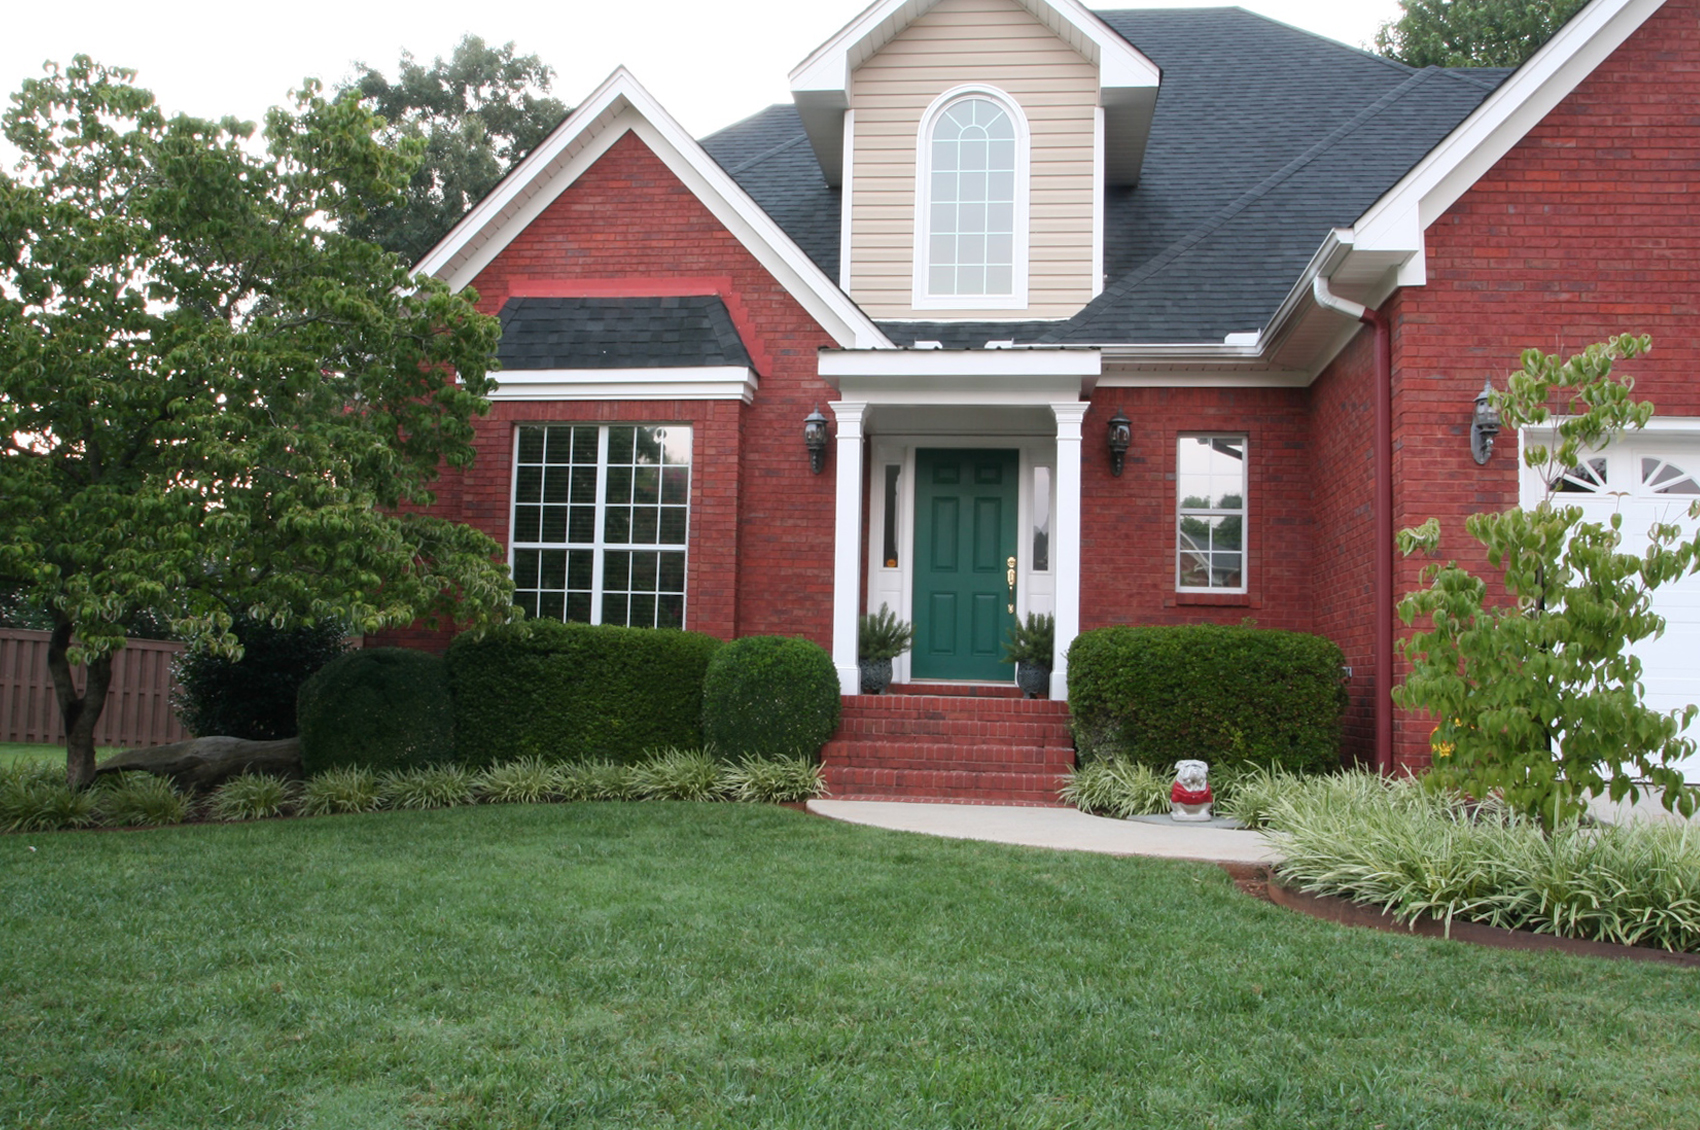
138	704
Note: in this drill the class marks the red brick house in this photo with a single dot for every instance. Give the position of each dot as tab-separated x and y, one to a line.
985	229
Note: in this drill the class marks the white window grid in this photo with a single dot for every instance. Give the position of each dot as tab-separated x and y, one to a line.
592	572
1188	549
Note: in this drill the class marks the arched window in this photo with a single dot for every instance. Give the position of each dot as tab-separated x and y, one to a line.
971	202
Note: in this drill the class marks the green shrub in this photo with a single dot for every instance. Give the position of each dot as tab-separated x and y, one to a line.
429	786
253	697
382	708
529	780
136	799
574	692
775	780
1424	854
1226	695
770	696
1113	786
35	798
353	788
253	796
679	774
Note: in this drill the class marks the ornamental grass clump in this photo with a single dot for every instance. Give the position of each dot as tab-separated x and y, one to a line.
1249	795
430	786
1113	786
679	774
597	780
352	788
35	798
528	780
1424	854
253	796
139	799
775	780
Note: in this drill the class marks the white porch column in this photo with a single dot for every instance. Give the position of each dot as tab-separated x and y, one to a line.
1065	549
847	544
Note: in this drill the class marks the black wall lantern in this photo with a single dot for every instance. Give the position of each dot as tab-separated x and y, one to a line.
1120	438
1484	425
814	438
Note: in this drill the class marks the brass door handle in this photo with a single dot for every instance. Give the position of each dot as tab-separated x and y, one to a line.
1010	576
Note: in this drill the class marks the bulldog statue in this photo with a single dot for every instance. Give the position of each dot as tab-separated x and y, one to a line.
1189	799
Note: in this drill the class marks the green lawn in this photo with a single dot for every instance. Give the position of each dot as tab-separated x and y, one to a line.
12	752
653	965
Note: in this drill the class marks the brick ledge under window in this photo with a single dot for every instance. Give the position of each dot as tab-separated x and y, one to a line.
1217	599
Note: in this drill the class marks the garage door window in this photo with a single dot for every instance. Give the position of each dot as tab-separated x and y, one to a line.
1661	477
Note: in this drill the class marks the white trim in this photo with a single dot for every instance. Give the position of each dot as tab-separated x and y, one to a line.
1193	378
920	299
1052	362
701	382
621	105
1244	513
845	201
1097	201
846	546
1065	539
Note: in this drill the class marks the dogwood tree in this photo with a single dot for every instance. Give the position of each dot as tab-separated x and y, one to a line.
211	397
1534	678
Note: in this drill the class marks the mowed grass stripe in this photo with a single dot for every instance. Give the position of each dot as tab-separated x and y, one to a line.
664	964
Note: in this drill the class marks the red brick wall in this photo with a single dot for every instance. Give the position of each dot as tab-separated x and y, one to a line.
761	525
1589	227
1127	565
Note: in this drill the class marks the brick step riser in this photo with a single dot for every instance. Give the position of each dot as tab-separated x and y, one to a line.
1039	758
993	788
918	705
989	732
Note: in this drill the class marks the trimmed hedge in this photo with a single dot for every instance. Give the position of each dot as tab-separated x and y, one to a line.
1227	695
770	696
574	692
381	708
253	697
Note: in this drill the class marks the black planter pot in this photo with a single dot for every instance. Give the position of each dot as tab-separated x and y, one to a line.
876	675
1034	682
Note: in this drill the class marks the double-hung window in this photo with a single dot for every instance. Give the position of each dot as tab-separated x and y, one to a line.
1210	494
601	523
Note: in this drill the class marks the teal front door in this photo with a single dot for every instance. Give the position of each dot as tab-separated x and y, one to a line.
965	511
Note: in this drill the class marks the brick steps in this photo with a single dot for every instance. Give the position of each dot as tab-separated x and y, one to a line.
925	742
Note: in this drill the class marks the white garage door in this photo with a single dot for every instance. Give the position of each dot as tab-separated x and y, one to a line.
1649	478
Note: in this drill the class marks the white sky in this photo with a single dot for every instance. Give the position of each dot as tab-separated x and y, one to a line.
709	63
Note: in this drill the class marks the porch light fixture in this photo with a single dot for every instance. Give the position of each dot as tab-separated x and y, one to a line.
814	438
1120	438
1484	425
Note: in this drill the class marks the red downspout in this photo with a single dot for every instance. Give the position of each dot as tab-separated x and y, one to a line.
1383	538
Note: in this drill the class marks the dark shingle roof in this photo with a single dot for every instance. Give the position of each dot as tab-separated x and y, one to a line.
1264	138
618	333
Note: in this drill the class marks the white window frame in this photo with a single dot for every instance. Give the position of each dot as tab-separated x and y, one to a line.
921	299
599	546
1244	512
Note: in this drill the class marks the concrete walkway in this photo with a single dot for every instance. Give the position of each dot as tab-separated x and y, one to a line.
1066	829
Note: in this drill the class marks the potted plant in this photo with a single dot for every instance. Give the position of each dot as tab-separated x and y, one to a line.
1030	647
881	638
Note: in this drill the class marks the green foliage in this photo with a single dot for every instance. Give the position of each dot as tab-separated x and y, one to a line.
598	780
212	396
253	796
1535	685
467	120
882	635
1251	794
383	708
770	696
1472	33
1225	695
1422	853
680	774
136	799
35	798
528	780
253	697
573	692
1034	643
774	780
1114	786
428	786
352	788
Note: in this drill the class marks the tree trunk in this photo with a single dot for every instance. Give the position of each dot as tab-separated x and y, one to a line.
202	763
78	712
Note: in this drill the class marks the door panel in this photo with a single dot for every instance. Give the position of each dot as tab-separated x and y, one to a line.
966	508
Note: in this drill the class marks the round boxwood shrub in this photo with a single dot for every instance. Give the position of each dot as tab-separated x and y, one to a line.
253	697
770	696
382	708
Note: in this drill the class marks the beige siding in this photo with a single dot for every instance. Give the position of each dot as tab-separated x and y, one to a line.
996	42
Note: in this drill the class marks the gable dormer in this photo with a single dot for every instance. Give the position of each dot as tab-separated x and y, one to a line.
973	140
